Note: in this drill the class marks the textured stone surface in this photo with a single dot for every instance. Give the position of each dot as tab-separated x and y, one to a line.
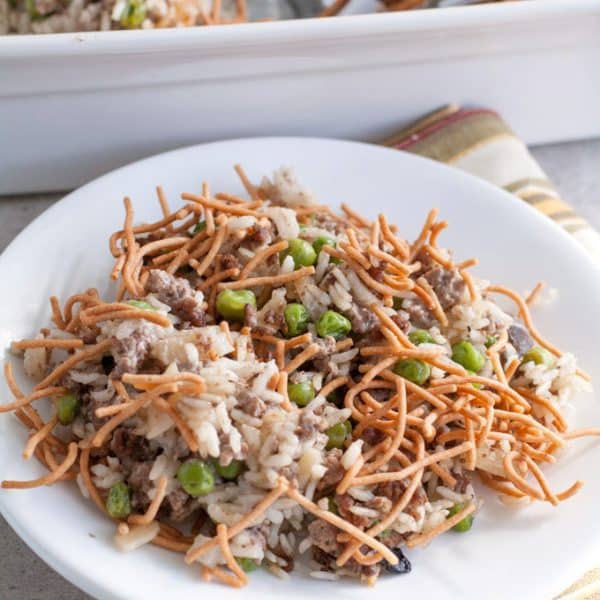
575	169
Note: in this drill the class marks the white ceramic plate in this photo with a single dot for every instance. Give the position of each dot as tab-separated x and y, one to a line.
532	553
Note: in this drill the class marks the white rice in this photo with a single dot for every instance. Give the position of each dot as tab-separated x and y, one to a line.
352	454
490	459
81	486
451	494
557	383
105	476
245	545
275	305
313	297
305	545
361	494
361	511
309	492
274	558
35	362
284	188
285	221
245	222
512	502
321	266
470	320
360	292
138	536
285	545
278	571
340	297
343	357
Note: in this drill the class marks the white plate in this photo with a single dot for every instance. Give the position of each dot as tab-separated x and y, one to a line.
532	553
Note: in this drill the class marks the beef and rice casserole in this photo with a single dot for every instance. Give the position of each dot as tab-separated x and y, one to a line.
278	385
65	16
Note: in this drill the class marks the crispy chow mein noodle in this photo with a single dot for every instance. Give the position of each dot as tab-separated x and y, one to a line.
274	377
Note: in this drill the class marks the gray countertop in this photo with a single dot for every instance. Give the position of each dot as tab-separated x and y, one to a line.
575	169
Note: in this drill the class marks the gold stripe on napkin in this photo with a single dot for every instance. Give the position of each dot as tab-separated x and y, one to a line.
479	142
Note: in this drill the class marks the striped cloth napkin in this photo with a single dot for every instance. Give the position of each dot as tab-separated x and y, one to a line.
480	142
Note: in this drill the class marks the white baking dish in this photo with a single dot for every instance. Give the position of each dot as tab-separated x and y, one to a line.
75	105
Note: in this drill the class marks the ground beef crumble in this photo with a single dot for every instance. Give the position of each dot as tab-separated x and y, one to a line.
363	320
519	337
258	235
129	353
185	302
448	285
334	474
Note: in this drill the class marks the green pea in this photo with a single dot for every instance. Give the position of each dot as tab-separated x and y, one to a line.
231	304
490	340
31	7
466	523
196	478
296	318
465	354
420	336
337	434
332	506
133	14
397	302
230	471
248	564
118	502
301	393
335	398
321	241
67	407
333	324
413	369
538	355
324	240
302	252
201	226
141	304
477	386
